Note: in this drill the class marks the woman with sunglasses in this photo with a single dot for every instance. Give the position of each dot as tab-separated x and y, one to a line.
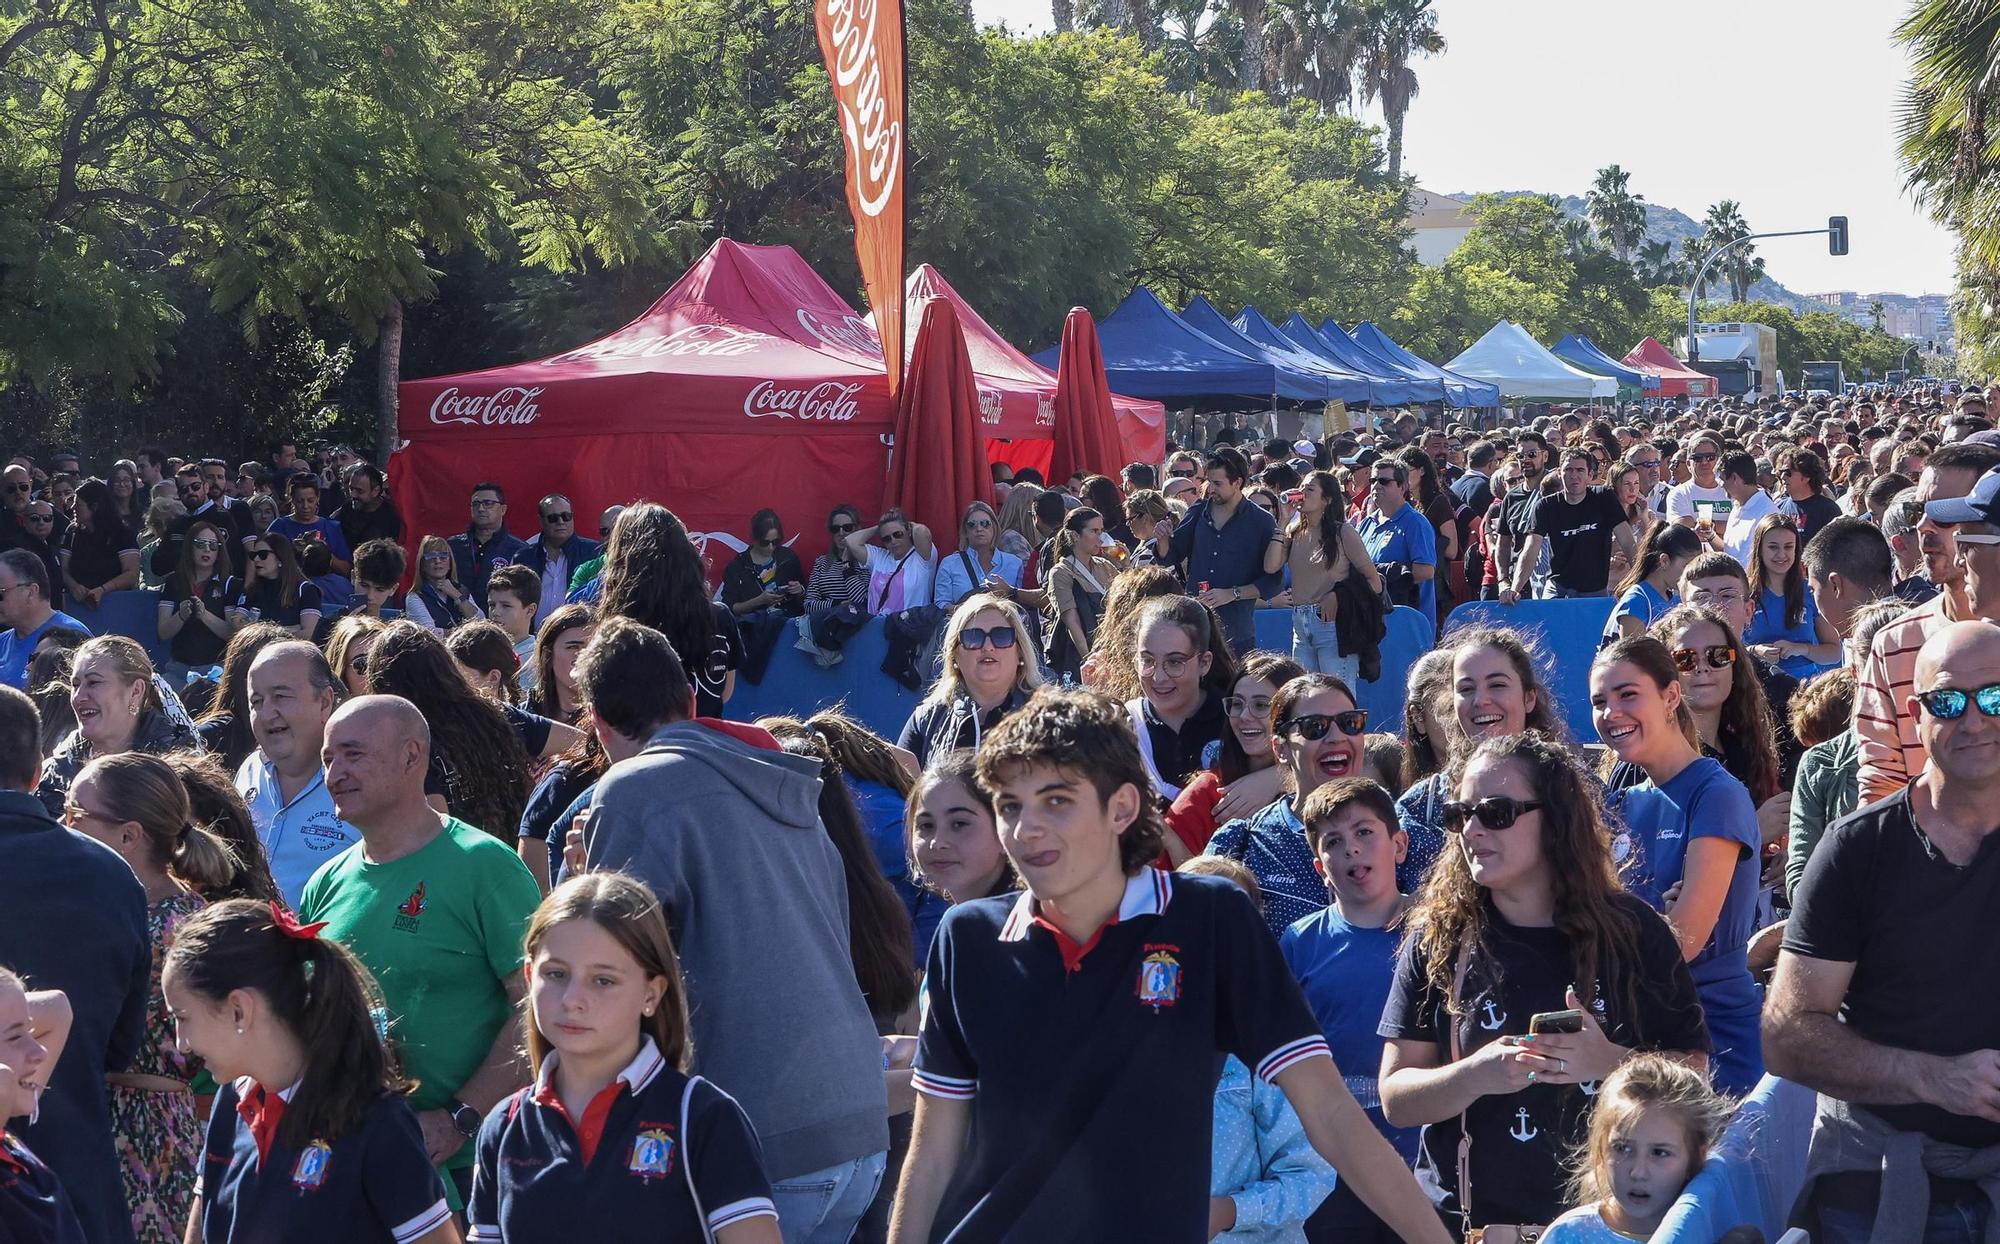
1732	719
1494	689
991	673
275	589
1523	917
1786	630
1319	740
1244	774
348	647
1688	828
1079	578
836	592
193	611
438	601
980	564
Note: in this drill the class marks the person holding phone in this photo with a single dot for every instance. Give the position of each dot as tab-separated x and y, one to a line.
1523	915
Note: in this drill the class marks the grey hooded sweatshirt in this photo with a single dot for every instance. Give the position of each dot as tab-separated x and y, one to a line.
725	828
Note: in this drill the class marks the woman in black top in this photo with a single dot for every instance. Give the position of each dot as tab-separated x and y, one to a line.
653	575
275	589
1523	914
765	587
128	503
100	554
194	609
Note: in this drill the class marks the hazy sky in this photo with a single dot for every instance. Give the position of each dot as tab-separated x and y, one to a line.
1787	106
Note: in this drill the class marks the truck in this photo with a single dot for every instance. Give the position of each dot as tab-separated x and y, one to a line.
1753	346
1733	377
1823	375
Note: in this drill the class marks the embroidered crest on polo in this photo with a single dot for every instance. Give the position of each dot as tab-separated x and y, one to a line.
652	1154
309	1172
1159	980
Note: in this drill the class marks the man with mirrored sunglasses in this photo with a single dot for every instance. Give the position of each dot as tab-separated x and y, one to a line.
1887	993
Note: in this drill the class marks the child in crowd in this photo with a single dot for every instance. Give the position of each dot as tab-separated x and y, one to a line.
953	846
1345	959
1655	1123
34	1209
335	1154
608	1040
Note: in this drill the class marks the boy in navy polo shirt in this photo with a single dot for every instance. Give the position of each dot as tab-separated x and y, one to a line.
1072	1035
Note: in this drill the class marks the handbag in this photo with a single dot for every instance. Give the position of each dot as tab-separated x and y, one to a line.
1493	1232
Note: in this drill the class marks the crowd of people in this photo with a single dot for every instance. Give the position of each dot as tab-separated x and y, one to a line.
425	868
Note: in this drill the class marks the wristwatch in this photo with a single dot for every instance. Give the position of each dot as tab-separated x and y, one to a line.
463	1117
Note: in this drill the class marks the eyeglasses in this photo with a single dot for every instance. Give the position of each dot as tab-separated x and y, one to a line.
1187	474
1717	656
1384	481
1494	812
41	518
1709	599
1974	537
359	663
1312	727
1950	703
258	555
18	488
1258	706
895	535
564	517
978	524
840	529
1911	512
1175	664
1645	464
435	556
1704	457
210	545
769	537
483	503
973	638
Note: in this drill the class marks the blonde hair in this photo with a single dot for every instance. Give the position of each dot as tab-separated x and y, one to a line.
1647	1082
127	658
949	683
345	632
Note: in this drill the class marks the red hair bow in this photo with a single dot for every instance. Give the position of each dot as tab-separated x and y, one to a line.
289	925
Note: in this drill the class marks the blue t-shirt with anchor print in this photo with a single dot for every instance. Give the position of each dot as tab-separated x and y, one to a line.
1521	1140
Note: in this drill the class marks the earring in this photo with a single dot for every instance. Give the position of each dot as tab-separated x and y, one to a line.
239	1030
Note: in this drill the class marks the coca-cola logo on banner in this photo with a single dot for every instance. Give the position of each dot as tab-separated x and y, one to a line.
512	406
708	340
848	334
826	402
989	406
874	137
1045	410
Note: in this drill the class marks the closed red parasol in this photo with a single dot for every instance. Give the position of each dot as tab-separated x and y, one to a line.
938	465
1086	423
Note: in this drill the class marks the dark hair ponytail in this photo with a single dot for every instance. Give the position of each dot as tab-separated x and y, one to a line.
315	987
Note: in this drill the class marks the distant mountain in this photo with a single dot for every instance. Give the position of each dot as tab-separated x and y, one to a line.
1674	225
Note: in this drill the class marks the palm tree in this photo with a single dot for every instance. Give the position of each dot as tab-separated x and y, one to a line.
1577	236
1876	312
1250	68
1658	266
1313	50
1198	46
1399	31
1741	268
1945	135
1618	215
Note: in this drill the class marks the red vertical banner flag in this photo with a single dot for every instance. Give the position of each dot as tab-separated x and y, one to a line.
862	41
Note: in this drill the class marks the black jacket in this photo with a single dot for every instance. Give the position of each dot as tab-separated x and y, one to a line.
76	921
740	581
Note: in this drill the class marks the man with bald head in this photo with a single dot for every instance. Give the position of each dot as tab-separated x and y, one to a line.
437	910
292	695
1887	993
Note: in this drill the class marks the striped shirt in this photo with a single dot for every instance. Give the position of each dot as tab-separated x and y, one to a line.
1890	752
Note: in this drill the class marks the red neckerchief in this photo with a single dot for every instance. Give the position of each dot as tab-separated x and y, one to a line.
262	1112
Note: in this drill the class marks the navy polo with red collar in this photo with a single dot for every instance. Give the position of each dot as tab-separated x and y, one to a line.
374	1184
621	1172
34	1209
1091	1068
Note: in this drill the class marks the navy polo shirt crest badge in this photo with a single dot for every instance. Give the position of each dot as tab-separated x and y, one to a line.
652	1155
1160	978
309	1172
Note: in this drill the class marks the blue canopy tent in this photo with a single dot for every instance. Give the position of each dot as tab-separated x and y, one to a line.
1382	390
1151	352
1311	379
1462	391
1399	384
1583	352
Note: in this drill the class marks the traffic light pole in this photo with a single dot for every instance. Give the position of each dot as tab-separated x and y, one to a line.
1694	346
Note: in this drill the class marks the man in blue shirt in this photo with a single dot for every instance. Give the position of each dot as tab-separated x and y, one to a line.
1219	548
305	523
485	545
1402	542
25	612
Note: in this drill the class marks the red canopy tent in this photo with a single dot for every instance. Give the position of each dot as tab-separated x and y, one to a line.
1677	379
749	383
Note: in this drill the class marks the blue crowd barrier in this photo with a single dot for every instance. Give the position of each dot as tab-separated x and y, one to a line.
1754	1175
1568	631
134	614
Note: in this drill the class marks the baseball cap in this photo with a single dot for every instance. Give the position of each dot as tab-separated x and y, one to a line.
1304	448
1981	505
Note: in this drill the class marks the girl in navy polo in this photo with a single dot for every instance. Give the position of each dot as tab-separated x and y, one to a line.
613	1141
333	1155
34	1209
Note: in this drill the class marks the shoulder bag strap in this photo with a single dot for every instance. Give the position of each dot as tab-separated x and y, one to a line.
1458	974
891	582
687	1162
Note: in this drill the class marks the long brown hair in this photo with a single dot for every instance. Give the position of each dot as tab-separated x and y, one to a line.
1746	731
862	753
1651	658
626	909
183	578
1423	754
213	801
1116	628
485	768
546	698
289	574
1452	912
1526	656
146	791
1275	668
1647	1082
1793	590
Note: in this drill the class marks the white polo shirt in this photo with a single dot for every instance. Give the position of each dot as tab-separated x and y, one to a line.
298	836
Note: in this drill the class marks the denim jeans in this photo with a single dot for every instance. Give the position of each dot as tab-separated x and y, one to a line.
1846	1219
822	1207
1316	645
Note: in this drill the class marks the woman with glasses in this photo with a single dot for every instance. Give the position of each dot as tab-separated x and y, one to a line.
1732	719
1178	713
836	592
1689	828
764	587
1242	773
1079	578
1318	735
991	672
194	610
1786	630
128	504
980	564
349	646
275	589
1529	975
100	554
438	602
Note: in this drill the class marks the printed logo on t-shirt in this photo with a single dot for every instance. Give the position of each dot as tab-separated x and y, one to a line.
323	832
1491	1016
1524	1129
410	908
652	1154
1160	978
309	1172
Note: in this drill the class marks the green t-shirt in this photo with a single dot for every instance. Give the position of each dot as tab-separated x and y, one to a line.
441	929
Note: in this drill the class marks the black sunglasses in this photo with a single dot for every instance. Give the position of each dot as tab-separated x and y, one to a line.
1312	727
360	664
840	529
973	638
1950	703
1718	656
1494	812
563	517
1911	512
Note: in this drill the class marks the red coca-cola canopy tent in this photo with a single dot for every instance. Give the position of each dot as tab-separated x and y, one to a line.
749	383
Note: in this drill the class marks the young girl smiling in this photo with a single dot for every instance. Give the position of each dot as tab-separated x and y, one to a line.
34	1209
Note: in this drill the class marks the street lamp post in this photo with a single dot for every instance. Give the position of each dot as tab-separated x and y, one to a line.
1835	231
